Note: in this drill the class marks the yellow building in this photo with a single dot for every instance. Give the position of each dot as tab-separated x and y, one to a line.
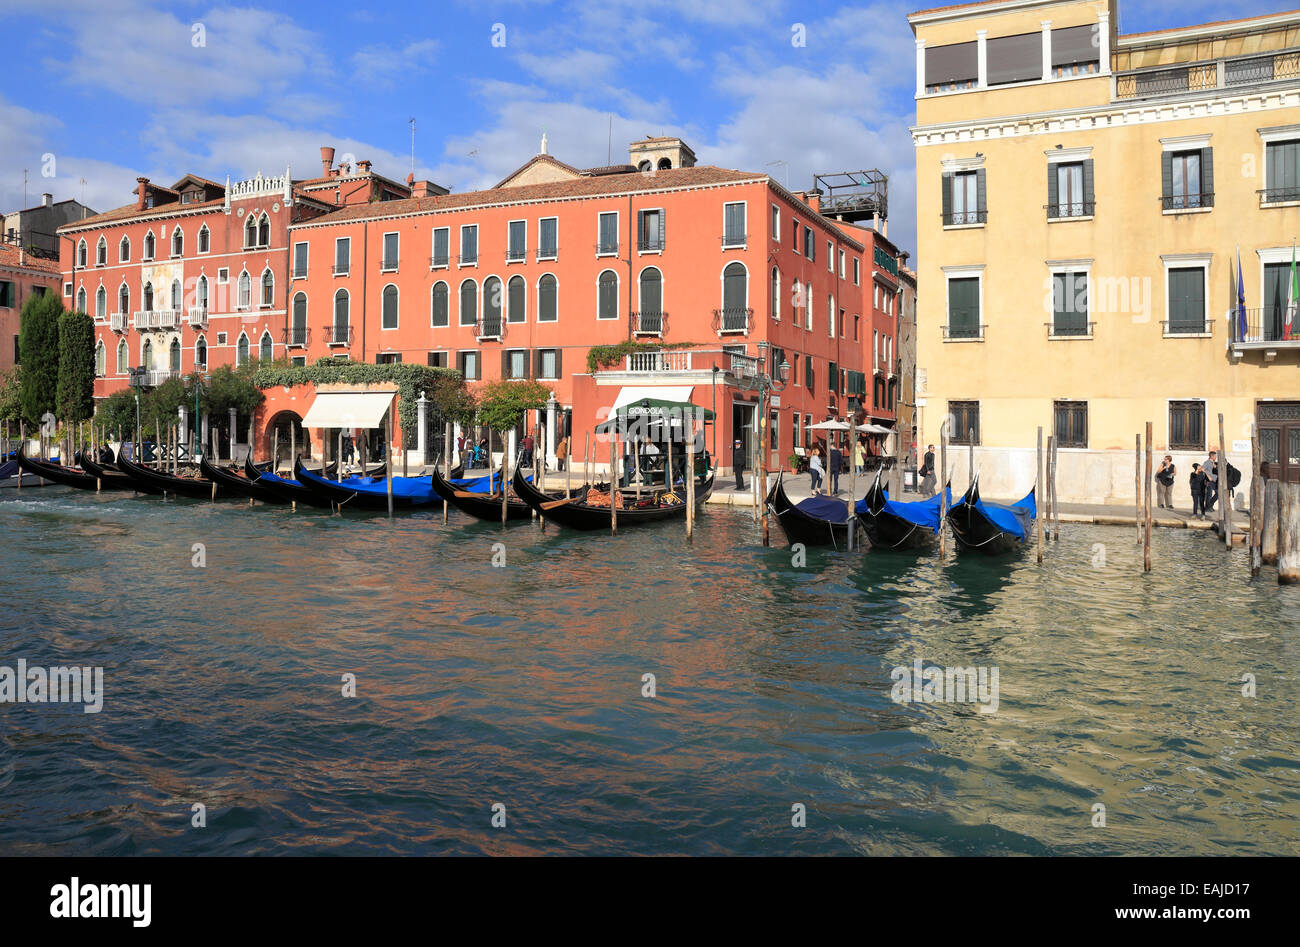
1082	196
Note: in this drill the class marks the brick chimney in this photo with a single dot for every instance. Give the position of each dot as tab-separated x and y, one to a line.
141	190
814	198
326	161
47	200
363	167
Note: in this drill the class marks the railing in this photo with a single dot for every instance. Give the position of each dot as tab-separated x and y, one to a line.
547	253
732	320
962	218
387	265
1070	329
342	269
118	321
468	259
157	319
297	337
198	317
1186	201
731	240
951	332
649	245
491	327
649	323
337	335
1067	209
604	248
516	254
1264	326
300	273
1277	195
438	259
1225	73
1200	326
145	378
693	360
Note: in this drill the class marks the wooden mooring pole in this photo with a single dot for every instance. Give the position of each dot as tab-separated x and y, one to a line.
1268	535
446	464
1137	483
1288	542
613	485
1056	500
1146	506
943	489
1256	503
690	482
1047	489
1225	490
1038	494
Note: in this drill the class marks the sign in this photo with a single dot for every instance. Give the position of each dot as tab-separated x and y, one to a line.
775	400
1241	447
885	261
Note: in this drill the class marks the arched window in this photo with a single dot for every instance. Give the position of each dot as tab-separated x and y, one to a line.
342	305
645	165
81	299
299	336
101	303
148	246
607	295
205	239
123	299
201	353
174	350
100	359
775	290
468	303
264	232
123	357
101	252
178	242
81	253
124	251
491	305
665	164
146	355
241	350
547	295
266	349
250	232
735	298
652	293
245	294
515	300
439	315
388	308
176	294
202	294
268	288
148	296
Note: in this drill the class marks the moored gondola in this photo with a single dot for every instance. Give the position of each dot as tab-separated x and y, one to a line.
893	524
55	473
577	513
367	492
198	488
479	498
991	528
110	478
816	521
239	485
289	491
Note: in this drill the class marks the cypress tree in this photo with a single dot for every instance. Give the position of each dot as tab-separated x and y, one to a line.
74	396
38	352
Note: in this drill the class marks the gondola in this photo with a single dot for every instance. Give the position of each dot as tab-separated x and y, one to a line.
55	473
110	478
239	485
893	524
991	528
576	513
367	492
11	475
816	521
289	491
478	498
198	488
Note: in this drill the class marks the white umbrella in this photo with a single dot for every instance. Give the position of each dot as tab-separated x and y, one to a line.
829	426
873	429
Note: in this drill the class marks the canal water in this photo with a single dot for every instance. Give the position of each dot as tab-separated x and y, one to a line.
519	691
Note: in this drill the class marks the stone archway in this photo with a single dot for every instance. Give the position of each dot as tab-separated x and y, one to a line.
293	438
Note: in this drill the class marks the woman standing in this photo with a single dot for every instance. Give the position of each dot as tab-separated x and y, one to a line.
1165	483
816	470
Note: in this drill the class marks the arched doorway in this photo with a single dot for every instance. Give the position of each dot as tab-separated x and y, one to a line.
285	435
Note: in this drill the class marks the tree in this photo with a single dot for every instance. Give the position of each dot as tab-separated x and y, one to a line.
75	389
502	404
158	409
230	388
117	413
11	395
38	352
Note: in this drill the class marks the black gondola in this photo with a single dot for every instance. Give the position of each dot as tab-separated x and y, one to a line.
289	491
816	521
483	506
897	525
110	478
199	488
55	473
232	482
575	513
991	528
367	492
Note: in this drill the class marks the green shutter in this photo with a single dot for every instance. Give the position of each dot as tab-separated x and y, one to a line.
1207	177
1052	200
1167	178
981	202
947	197
1088	198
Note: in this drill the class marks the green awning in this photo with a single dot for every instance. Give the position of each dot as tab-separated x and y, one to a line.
652	412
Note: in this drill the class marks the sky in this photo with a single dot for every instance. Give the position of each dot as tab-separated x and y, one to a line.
104	91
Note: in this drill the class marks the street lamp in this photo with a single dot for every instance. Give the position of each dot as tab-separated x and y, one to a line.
137	454
766	386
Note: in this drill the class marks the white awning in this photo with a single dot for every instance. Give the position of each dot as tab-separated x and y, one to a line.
631	394
348	409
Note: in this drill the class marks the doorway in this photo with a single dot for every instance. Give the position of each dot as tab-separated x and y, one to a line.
1279	438
742	427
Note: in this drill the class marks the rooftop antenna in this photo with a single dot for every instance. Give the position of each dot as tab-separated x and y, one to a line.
412	120
609	150
24	187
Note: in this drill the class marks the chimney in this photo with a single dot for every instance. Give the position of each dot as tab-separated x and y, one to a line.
364	166
22	255
884	227
47	200
814	198
326	161
142	188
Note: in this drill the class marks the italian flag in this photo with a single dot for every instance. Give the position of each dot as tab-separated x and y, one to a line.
1292	299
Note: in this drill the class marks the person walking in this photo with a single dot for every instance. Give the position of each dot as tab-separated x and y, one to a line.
815	470
834	462
1165	483
561	452
1198	484
927	472
738	463
1211	470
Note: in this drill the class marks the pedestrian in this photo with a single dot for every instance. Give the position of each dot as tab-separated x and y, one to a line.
815	469
1198	482
528	450
484	454
460	448
561	452
738	463
834	461
927	473
1211	470
1165	483
860	457
349	448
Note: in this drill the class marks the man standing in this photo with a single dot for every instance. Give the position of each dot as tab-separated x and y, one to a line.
1211	470
927	472
834	461
528	450
738	463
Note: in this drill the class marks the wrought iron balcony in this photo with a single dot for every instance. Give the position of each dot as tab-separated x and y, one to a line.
965	218
607	248
300	273
1064	210
649	245
468	259
1194	327
1278	195
491	327
388	265
516	254
1265	328
959	333
1207	75
649	323
1187	201
438	260
296	337
1070	329
342	269
732	320
337	334
734	240
547	253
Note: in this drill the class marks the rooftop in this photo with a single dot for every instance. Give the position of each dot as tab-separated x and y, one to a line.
9	258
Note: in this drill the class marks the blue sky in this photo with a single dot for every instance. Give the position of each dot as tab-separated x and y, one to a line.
118	88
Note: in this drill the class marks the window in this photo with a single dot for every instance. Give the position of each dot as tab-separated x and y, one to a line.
441	247
176	295
808	308
774	294
607	239
735	298
952	67
437	360
389	308
468	303
468	365
963	198
101	303
1071	423
203	292
469	245
439	305
67	289
607	295
965	423
842	271
516	301
174	355
809	378
123	299
298	361
389	261
650	231
388	358
81	253
832	377
809	244
250	232
1186	300
205	239
1187	179
244	294
547	363
1076	51
342	311
1069	189
1187	425
299	260
795	429
264	232
268	288
124	357
148	246
298	329
241	350
1014	58
733	224
101	252
223	276
547	296
124	251
492	306
266	348
794	236
830	257
548	238
514	363
178	242
1069	303
342	256
1282	171
148	297
146	355
776	231
964	308
81	299
830	315
517	241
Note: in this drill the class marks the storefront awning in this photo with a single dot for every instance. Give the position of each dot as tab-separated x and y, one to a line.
348	409
634	394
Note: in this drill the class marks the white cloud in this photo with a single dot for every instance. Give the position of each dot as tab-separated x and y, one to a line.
383	64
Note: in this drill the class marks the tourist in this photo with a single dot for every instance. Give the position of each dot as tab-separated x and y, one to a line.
483	455
561	452
834	461
460	448
1165	483
528	450
927	473
815	469
738	463
860	457
1211	470
1198	483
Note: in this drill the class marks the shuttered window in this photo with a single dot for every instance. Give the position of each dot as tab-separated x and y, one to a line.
439	316
951	67
547	310
1070	422
1187	425
964	308
1187	179
1015	58
1283	161
607	296
1076	50
1070	303
1187	299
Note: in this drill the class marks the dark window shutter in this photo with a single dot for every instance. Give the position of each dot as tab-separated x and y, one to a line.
559	371
981	203
947	196
1207	175
661	229
526	373
505	364
537	363
1087	187
1167	177
1051	191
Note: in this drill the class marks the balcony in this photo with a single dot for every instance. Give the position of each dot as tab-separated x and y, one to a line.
649	245
1070	329
337	335
1266	330
468	259
491	327
1282	196
607	248
198	317
157	319
1069	210
516	255
388	265
298	337
1189	328
649	323
342	269
734	241
684	361
964	333
117	321
1198	78
438	260
732	321
145	378
547	253
300	273
965	218
1187	202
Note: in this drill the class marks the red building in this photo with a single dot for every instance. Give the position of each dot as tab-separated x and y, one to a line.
21	276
